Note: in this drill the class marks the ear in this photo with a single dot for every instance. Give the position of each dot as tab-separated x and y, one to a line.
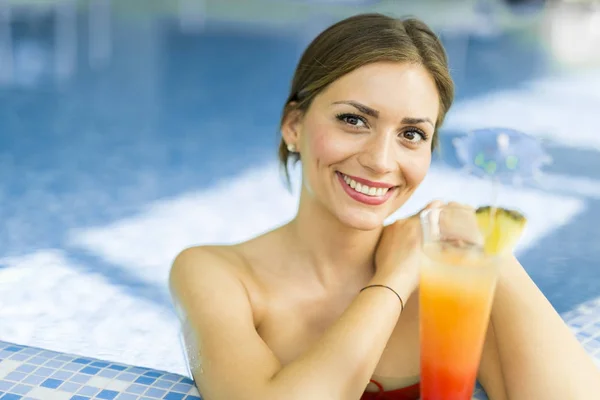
291	126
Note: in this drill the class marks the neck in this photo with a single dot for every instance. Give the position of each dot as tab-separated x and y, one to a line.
333	253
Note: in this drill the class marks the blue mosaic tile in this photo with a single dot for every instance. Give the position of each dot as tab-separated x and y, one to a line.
88	391
127	377
49	354
172	377
137	370
137	389
155	393
181	387
144	380
37	360
54	364
107	394
70	387
19	357
100	364
187	381
72	367
43	371
77	377
51	383
15	376
108	373
90	370
26	368
21	389
34	379
127	396
11	396
163	384
174	396
63	375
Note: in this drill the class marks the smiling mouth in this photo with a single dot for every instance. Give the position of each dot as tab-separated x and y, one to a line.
365	189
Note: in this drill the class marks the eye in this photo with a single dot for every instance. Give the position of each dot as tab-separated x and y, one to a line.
355	121
414	135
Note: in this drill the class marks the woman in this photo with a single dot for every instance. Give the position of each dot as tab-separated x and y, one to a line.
282	316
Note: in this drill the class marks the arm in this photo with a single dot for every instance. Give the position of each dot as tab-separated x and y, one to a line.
235	363
540	357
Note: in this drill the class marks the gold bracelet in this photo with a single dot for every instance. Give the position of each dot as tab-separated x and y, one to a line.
387	287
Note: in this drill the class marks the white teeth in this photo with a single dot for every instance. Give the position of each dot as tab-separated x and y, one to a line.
364	189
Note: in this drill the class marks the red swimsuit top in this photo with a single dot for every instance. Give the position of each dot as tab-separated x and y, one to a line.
407	393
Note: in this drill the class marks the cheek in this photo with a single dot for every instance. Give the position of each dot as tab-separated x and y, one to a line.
415	171
324	144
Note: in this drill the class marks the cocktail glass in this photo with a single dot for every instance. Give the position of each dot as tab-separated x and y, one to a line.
457	284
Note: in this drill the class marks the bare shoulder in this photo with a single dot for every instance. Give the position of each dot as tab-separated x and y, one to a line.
233	259
193	260
197	271
201	264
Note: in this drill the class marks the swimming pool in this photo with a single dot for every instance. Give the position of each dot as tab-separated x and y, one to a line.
125	132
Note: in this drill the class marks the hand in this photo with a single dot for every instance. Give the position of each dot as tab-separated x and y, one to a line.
397	257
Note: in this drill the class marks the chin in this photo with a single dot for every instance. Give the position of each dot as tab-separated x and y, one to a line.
361	220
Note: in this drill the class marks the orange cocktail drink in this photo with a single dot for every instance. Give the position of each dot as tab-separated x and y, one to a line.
462	248
456	292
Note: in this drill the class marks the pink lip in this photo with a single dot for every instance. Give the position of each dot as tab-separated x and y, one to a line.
370	183
363	198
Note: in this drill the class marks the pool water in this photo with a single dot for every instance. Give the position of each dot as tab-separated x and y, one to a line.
128	134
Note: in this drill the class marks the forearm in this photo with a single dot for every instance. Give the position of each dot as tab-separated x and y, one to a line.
341	363
540	356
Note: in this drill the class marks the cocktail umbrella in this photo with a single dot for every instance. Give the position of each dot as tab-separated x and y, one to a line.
501	155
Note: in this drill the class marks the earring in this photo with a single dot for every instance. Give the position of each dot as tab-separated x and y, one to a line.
291	148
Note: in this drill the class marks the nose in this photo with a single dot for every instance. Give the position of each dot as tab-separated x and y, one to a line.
378	155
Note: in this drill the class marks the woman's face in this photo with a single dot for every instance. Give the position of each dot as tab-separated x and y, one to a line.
365	141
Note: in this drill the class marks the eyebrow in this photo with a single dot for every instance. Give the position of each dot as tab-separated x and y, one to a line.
374	113
415	121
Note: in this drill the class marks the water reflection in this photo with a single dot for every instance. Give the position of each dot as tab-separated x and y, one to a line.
192	15
100	33
40	43
65	39
6	55
572	30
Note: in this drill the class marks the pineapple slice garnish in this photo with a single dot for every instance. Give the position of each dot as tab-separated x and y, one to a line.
501	229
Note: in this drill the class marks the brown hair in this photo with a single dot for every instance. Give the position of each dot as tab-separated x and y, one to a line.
358	41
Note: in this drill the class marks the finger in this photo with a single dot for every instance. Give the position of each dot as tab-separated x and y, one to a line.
434	204
458	205
430	206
